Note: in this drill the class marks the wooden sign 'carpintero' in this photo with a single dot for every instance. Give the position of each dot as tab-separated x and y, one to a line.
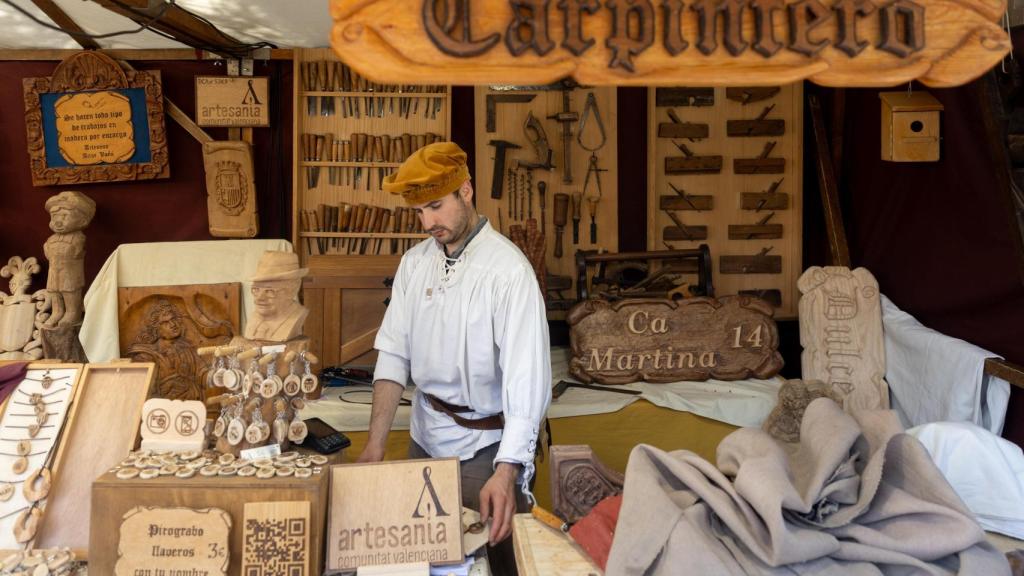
692	42
668	341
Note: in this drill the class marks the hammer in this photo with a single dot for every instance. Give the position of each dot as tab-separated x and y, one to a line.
497	177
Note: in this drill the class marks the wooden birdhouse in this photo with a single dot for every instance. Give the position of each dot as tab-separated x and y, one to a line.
910	127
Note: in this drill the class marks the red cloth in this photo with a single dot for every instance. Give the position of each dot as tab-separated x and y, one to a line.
10	376
595	531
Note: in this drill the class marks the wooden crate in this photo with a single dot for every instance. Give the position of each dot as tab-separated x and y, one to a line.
311	236
509	121
113	498
726	189
345	296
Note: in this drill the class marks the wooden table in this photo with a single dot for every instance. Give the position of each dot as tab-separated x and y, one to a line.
542	550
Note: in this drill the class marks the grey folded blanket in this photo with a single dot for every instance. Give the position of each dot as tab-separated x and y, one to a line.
855	496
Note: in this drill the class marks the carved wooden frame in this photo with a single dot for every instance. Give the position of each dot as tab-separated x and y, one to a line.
91	71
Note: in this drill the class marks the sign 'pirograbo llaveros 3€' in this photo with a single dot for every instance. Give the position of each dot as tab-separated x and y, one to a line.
668	341
395	513
663	42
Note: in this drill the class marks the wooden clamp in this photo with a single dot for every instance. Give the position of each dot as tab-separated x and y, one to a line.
679	129
690	163
759	126
760	165
760	263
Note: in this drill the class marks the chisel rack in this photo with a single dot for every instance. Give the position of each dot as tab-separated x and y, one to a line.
349	134
520	130
724	167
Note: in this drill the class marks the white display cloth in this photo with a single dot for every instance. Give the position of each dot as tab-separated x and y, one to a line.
740	402
937	378
164	264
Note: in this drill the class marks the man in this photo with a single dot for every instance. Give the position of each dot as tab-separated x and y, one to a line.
278	316
467	324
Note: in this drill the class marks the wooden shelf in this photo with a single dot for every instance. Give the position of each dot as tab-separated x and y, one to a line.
313	163
399	235
375	94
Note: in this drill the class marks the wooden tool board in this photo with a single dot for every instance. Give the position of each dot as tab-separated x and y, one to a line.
509	120
727	189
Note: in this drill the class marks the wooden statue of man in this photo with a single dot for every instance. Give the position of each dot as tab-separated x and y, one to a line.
70	213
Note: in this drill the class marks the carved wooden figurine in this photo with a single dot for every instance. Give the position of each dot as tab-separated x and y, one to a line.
277	316
19	337
579	481
783	423
70	213
841	333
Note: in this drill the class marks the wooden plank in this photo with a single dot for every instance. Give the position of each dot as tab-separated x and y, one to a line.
759	165
331	353
1012	373
941	44
764	201
684	97
690	130
66	23
181	24
357	346
750	128
313	299
102	428
696	202
540	550
839	250
693	164
770	264
754	231
142	54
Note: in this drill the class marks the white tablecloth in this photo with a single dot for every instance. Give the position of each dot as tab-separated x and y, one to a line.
164	264
739	402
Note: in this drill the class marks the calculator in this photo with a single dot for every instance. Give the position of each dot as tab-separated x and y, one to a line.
323	438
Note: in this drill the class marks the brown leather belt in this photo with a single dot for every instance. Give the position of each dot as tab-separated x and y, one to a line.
495	422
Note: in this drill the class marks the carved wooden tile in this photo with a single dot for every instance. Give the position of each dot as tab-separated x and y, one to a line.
841	333
579	481
165	325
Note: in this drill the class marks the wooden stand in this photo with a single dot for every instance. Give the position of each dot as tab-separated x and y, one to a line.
112	498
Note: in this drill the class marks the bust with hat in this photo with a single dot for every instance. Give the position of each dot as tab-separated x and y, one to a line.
276	316
70	212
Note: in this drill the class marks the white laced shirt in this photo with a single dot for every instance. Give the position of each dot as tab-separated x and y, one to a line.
471	331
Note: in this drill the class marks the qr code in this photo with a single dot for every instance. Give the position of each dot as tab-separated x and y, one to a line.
275	547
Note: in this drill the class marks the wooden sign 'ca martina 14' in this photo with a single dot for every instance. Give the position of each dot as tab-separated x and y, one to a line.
668	341
664	42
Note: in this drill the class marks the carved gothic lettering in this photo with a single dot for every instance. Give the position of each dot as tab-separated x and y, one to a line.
674	41
573	17
707	14
440	31
638	322
847	12
804	17
529	27
765	43
732	12
627	41
901	28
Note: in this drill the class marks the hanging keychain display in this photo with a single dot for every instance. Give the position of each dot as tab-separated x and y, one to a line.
292	382
309	380
272	384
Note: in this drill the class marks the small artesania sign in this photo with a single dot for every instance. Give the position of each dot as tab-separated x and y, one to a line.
669	341
664	42
232	101
395	513
169	541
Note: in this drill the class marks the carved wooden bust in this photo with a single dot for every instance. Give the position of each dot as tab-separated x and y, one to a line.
277	316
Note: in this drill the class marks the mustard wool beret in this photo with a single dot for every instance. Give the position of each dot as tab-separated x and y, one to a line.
430	173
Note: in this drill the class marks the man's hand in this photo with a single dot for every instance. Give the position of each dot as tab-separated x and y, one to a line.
371	454
498	499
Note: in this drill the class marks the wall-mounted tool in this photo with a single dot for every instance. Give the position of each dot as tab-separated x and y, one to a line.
679	129
538	139
770	199
500	148
684	97
542	189
760	165
577	215
760	126
682	231
684	201
492	101
689	163
748	94
566	118
772	296
762	230
559	220
592	145
760	263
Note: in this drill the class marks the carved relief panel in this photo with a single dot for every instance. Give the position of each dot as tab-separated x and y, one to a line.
841	333
579	481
